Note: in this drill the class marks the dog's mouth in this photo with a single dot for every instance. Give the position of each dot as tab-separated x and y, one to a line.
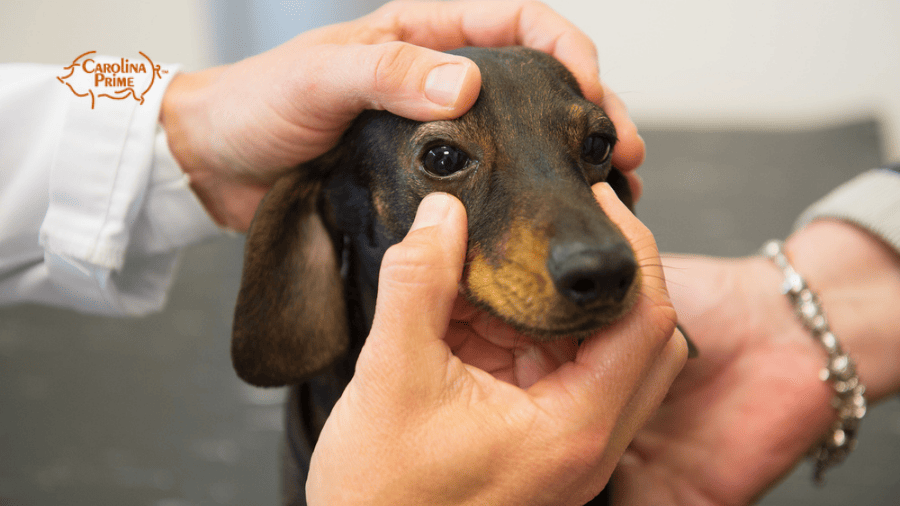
547	298
542	324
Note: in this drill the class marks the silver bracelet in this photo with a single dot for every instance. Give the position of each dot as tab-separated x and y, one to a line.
848	401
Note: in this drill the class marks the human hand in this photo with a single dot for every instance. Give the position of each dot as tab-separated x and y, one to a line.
235	129
747	410
417	425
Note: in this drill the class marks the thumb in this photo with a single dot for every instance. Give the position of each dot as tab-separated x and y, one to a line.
407	80
417	285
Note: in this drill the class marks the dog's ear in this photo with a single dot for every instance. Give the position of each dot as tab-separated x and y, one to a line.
290	321
619	184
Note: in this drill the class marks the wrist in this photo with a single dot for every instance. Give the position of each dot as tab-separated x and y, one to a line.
190	131
857	277
781	328
849	401
183	117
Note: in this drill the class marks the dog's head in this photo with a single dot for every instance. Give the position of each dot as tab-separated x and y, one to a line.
542	255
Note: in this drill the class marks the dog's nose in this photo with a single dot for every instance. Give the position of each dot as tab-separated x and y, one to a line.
586	273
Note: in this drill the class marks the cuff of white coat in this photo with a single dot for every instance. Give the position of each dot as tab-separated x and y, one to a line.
870	201
172	216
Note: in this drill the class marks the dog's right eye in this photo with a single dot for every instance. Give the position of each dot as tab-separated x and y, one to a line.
445	160
596	149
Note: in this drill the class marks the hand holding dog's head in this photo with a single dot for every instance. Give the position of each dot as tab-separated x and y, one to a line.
542	255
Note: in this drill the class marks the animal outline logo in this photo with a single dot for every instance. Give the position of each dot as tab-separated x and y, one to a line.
115	80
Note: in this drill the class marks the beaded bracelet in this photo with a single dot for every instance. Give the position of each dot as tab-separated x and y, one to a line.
848	401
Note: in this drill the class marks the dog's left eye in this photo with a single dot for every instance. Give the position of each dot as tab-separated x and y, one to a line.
596	149
445	160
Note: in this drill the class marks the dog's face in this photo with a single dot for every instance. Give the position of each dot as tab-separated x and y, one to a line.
542	255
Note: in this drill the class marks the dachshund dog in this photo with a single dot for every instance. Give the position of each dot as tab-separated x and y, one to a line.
542	255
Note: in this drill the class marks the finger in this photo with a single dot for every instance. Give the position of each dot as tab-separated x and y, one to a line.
612	364
636	184
417	284
407	80
610	368
644	405
659	320
605	399
449	25
637	234
630	150
653	389
651	322
629	482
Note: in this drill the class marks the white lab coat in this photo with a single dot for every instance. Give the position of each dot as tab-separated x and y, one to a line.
93	207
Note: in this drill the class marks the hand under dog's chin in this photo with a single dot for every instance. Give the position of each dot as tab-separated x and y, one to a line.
481	340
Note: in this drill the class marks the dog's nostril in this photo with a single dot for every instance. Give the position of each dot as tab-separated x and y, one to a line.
584	285
585	275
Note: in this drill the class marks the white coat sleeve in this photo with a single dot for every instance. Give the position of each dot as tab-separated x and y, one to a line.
870	201
93	208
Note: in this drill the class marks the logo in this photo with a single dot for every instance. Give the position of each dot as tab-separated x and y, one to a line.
95	77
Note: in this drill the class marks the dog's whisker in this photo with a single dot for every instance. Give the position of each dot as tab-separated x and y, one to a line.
680	256
670	267
675	283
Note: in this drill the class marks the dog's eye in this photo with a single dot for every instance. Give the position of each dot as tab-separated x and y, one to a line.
445	160
596	149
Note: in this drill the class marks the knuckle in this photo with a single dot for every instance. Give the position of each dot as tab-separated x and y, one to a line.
404	254
407	260
385	21
659	322
418	261
393	6
394	63
536	8
583	451
396	6
536	5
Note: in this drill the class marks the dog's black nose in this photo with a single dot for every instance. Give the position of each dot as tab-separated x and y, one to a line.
586	273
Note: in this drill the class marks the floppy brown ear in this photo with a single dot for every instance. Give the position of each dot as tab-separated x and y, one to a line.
290	321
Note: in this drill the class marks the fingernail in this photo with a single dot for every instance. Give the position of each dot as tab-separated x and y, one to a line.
445	82
433	210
